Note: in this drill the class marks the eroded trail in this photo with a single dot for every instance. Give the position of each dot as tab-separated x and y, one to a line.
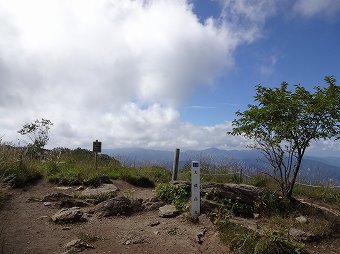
26	227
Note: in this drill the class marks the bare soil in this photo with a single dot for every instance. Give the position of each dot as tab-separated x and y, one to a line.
26	227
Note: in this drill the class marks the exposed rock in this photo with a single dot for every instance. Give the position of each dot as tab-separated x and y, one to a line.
63	187
47	203
80	188
200	235
205	221
301	219
247	223
240	192
103	189
168	211
33	199
150	206
68	215
78	245
134	240
244	195
115	206
302	235
68	203
54	197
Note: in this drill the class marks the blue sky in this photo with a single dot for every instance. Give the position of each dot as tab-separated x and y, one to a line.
157	74
296	49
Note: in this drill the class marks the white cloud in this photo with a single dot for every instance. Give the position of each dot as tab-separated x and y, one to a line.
327	9
110	69
117	70
247	16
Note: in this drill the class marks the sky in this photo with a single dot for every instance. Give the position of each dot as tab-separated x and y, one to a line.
159	74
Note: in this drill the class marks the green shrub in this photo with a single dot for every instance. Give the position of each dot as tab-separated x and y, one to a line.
178	195
275	243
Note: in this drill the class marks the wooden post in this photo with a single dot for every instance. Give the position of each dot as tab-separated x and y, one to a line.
97	148
241	175
175	165
96	160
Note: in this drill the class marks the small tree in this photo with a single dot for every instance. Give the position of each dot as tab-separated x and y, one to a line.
284	123
38	135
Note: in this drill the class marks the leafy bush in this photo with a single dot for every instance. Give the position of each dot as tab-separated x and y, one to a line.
178	195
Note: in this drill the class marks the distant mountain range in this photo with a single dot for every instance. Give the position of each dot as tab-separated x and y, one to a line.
313	169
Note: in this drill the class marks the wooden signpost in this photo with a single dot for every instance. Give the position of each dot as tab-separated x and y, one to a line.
97	148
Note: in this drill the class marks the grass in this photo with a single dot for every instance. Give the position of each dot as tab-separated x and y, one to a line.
239	239
325	193
15	168
72	167
209	173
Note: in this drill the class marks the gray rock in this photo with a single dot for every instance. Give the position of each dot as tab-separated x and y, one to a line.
114	206
47	203
205	221
68	215
103	189
54	197
301	219
78	245
150	206
168	211
79	188
68	203
200	235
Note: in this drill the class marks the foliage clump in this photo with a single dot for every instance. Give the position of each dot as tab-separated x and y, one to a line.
176	194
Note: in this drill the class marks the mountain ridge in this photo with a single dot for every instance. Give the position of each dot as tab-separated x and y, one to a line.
313	169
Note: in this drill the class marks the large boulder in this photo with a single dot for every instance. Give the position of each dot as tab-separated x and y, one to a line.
116	206
168	211
104	189
77	245
68	215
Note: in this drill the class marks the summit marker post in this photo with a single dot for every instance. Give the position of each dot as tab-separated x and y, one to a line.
195	190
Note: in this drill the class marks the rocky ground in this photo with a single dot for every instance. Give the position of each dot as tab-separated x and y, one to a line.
27	226
43	219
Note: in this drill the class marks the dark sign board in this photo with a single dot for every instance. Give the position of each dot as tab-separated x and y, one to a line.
97	146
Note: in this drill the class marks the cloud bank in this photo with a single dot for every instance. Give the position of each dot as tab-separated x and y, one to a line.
114	70
117	70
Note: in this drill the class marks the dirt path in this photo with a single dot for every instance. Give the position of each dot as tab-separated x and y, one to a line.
26	228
